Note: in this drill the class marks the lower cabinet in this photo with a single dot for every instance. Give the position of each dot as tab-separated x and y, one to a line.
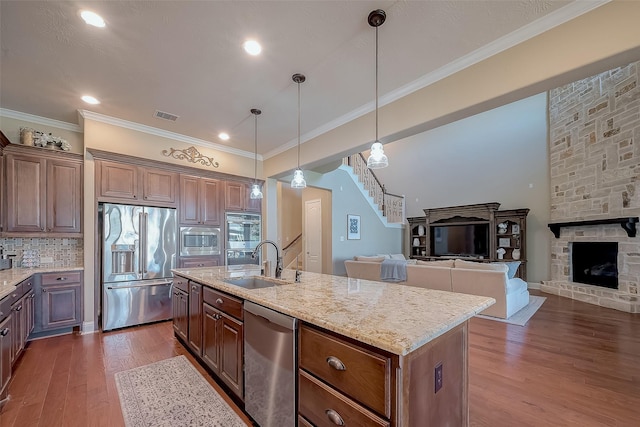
180	307
211	324
59	301
199	261
5	355
195	317
222	347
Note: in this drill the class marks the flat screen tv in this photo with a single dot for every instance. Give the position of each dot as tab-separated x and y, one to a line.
469	240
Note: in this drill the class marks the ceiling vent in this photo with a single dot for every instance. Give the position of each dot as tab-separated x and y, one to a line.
165	116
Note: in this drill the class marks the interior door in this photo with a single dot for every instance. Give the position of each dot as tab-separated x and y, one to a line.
313	235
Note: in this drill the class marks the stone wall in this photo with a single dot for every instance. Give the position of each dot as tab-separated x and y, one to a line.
594	162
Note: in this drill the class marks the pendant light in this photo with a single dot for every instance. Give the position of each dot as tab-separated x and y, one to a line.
377	159
256	193
298	178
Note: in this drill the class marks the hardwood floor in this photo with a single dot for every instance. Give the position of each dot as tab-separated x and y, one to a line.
574	364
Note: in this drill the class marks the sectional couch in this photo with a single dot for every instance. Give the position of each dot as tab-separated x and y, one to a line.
486	279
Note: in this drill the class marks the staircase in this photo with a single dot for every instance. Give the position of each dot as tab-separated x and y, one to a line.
391	206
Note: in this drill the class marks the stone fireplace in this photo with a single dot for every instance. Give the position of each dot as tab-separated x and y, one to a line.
594	163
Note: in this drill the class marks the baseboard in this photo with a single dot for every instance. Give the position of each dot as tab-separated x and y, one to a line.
533	285
88	328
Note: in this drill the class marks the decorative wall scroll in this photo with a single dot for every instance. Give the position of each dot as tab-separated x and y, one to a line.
192	155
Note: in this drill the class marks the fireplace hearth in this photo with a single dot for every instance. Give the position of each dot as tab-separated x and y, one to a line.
595	263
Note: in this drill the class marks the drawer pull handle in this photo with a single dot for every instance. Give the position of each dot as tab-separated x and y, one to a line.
219	301
336	363
61	278
334	417
4	332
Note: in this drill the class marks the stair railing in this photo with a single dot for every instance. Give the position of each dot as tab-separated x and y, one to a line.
391	205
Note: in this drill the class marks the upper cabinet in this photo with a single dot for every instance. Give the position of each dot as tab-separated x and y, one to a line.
123	182
199	201
43	192
237	198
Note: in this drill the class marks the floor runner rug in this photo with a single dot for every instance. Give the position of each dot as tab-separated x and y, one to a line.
523	315
172	393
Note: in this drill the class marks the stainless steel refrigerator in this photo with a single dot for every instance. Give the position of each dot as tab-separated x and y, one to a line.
138	253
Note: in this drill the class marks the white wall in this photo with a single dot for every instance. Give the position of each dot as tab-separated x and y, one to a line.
347	199
496	156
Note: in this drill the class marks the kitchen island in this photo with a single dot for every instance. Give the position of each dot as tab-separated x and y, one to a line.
369	352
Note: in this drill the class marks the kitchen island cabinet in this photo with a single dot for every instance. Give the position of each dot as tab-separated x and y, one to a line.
369	352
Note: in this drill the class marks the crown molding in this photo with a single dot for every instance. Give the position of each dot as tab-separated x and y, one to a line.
537	27
163	133
11	114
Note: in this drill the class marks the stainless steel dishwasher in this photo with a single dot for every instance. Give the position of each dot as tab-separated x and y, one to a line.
270	366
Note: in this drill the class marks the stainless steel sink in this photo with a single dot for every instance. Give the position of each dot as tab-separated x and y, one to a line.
254	282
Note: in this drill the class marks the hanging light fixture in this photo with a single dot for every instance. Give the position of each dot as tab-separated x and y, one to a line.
298	178
377	159
256	193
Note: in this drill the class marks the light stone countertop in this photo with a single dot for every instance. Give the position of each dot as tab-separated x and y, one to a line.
11	277
392	317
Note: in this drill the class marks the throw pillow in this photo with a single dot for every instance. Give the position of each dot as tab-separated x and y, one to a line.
385	256
369	258
513	268
397	256
439	263
498	266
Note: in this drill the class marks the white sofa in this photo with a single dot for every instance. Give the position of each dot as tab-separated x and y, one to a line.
485	279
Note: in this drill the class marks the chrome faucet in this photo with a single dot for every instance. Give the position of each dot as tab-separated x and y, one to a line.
278	257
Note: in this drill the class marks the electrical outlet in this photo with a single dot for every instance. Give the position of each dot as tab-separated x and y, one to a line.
438	377
46	259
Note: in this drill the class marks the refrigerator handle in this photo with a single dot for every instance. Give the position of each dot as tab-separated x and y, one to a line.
144	252
141	244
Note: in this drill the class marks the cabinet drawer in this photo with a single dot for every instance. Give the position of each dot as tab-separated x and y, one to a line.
324	406
61	278
181	283
358	372
302	422
223	302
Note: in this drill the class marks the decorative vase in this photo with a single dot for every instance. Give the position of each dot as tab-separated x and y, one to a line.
420	230
416	242
26	136
515	254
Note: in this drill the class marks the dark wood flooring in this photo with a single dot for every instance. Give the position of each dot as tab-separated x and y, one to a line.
574	364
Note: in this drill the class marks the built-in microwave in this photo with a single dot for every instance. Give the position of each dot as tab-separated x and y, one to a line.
200	241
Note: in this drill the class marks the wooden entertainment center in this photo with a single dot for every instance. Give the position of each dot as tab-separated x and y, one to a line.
475	232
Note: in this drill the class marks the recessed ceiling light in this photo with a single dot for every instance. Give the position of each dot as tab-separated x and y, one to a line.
90	99
92	18
223	136
252	47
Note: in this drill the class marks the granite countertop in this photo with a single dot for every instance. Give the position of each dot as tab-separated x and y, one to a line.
392	317
11	277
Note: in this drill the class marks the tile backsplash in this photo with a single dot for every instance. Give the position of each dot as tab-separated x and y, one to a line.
54	252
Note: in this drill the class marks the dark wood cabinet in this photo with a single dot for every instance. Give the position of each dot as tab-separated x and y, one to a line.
22	317
180	307
44	192
58	301
64	196
237	198
502	234
195	317
6	332
124	182
222	347
199	201
199	261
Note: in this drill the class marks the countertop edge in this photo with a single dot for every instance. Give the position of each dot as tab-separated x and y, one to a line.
10	278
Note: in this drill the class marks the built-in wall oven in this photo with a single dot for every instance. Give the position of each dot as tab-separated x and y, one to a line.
200	241
243	233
